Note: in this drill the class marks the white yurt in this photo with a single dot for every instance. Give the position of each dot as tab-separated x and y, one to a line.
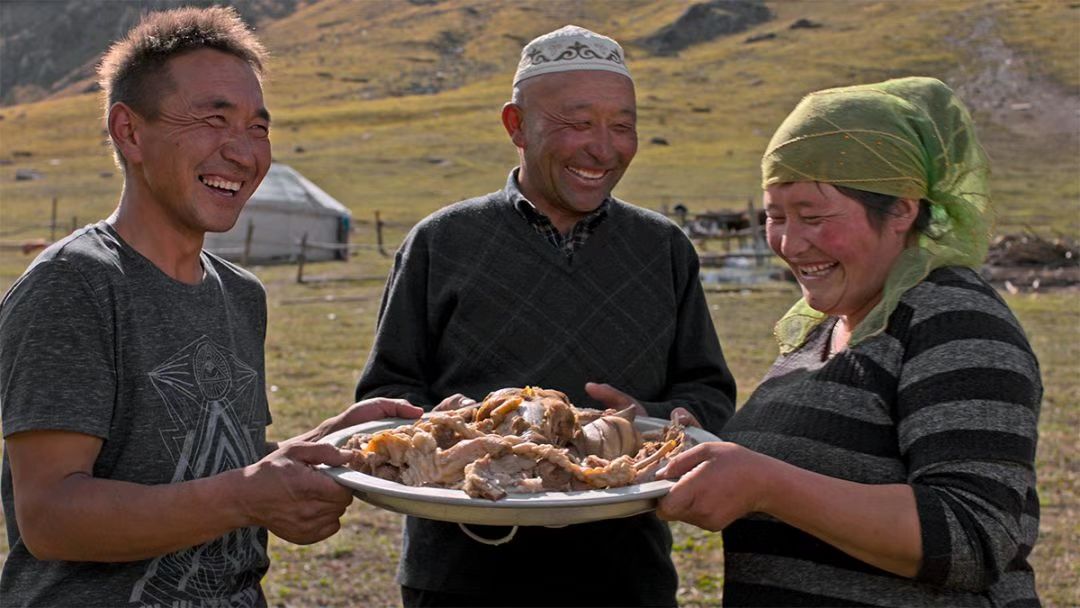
286	207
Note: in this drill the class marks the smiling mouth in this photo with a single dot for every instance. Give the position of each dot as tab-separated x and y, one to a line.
812	271
591	175
221	185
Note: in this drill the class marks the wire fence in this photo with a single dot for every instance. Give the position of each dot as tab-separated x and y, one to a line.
732	241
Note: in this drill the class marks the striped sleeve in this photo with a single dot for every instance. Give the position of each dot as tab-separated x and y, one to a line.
967	409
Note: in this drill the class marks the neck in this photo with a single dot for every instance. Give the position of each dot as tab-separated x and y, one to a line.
841	335
846	324
564	223
563	219
151	232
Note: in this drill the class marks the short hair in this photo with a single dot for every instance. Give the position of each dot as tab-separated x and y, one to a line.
880	206
133	69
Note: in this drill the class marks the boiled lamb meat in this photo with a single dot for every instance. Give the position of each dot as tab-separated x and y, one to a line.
518	440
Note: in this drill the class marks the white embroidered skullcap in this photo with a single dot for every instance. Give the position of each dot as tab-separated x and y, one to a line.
570	48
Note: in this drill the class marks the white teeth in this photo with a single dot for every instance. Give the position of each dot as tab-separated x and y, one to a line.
816	269
220	183
586	173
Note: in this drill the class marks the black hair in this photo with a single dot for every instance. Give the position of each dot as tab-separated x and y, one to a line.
134	70
880	206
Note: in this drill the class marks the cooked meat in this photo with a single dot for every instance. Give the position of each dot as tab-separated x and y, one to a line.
491	477
553	477
609	436
517	440
517	411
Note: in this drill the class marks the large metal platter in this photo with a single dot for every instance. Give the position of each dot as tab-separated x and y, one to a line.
539	509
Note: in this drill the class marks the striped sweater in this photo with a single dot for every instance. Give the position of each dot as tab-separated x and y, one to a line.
946	400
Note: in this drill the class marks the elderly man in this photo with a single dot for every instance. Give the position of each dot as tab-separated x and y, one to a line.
136	467
551	282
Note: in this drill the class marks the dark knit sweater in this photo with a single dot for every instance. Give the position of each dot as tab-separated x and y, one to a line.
946	400
478	301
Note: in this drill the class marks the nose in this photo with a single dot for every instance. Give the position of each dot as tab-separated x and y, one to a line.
239	149
787	239
601	146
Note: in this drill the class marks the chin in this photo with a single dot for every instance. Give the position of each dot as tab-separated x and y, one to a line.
221	224
816	303
588	206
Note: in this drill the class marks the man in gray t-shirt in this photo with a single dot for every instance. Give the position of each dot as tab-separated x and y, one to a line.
136	468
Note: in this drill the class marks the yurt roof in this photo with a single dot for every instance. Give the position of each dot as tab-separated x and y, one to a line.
284	188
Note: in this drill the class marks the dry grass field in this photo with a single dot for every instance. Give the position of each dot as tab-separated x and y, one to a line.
393	106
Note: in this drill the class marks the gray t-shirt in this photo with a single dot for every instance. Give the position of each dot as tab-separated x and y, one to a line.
95	339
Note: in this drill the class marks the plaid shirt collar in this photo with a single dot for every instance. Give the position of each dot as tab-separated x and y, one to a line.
567	244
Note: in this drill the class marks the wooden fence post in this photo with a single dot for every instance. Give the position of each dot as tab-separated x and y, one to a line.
755	233
680	212
378	233
303	257
52	224
247	244
74	223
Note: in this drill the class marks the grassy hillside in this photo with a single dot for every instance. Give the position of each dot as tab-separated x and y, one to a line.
343	73
394	106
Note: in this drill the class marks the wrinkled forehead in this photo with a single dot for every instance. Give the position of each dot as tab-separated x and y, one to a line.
581	88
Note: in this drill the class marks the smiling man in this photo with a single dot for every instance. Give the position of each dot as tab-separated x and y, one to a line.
551	282
136	468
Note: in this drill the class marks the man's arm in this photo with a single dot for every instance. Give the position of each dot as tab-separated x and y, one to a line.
65	513
58	386
699	380
398	364
357	413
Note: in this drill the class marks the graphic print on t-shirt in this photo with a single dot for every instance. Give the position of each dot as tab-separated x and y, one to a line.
211	397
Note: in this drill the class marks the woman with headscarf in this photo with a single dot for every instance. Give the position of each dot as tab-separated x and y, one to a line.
887	458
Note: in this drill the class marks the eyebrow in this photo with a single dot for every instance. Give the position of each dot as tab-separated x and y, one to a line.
799	204
225	104
579	104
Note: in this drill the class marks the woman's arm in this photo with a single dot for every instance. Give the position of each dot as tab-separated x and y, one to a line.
722	482
967	411
966	414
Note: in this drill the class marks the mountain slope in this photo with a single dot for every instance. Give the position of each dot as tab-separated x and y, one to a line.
50	48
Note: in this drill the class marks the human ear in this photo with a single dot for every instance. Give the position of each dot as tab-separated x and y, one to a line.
903	214
123	131
513	119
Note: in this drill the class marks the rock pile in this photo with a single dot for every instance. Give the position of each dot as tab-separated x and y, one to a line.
705	21
1029	263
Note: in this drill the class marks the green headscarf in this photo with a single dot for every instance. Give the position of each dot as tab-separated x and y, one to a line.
910	138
